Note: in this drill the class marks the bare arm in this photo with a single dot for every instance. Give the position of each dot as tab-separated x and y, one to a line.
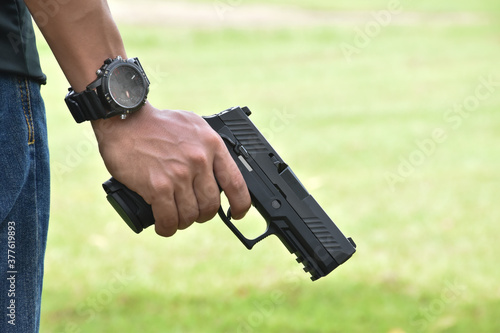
171	158
81	35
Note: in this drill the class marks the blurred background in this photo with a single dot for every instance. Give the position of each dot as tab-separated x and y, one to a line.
387	111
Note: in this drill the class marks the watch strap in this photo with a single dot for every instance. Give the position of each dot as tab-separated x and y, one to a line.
85	105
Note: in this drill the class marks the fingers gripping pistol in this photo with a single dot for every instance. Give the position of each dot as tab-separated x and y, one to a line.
290	211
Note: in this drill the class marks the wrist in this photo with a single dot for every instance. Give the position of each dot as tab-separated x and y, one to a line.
109	124
120	89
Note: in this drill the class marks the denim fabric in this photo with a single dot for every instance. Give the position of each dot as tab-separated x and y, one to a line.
24	202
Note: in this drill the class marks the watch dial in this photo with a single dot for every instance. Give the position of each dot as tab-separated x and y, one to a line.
126	86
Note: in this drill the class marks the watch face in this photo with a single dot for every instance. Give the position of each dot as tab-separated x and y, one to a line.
126	86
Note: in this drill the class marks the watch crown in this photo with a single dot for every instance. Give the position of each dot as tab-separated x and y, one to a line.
98	72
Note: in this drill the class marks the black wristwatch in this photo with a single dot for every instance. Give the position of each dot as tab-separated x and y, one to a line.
121	88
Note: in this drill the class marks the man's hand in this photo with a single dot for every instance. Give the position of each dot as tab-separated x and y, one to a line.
172	159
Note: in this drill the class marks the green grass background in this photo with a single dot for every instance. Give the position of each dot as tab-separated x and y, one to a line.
426	244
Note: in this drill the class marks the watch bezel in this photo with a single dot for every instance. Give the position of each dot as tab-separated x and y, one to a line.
115	108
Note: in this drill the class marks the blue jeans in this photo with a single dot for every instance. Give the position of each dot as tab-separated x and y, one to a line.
24	202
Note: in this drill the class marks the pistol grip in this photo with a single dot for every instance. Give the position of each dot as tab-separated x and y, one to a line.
129	205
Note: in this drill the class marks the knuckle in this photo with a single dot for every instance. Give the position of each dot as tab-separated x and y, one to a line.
190	217
238	183
199	158
186	223
165	228
208	197
210	208
188	213
213	139
161	188
207	192
181	172
224	179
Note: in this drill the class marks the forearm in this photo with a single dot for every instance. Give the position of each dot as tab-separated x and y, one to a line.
81	34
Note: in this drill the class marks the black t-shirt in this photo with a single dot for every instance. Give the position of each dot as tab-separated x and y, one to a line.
18	53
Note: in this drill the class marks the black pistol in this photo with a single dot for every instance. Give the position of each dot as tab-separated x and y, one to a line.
291	213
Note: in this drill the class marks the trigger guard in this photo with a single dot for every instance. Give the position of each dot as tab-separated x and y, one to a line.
249	243
227	220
